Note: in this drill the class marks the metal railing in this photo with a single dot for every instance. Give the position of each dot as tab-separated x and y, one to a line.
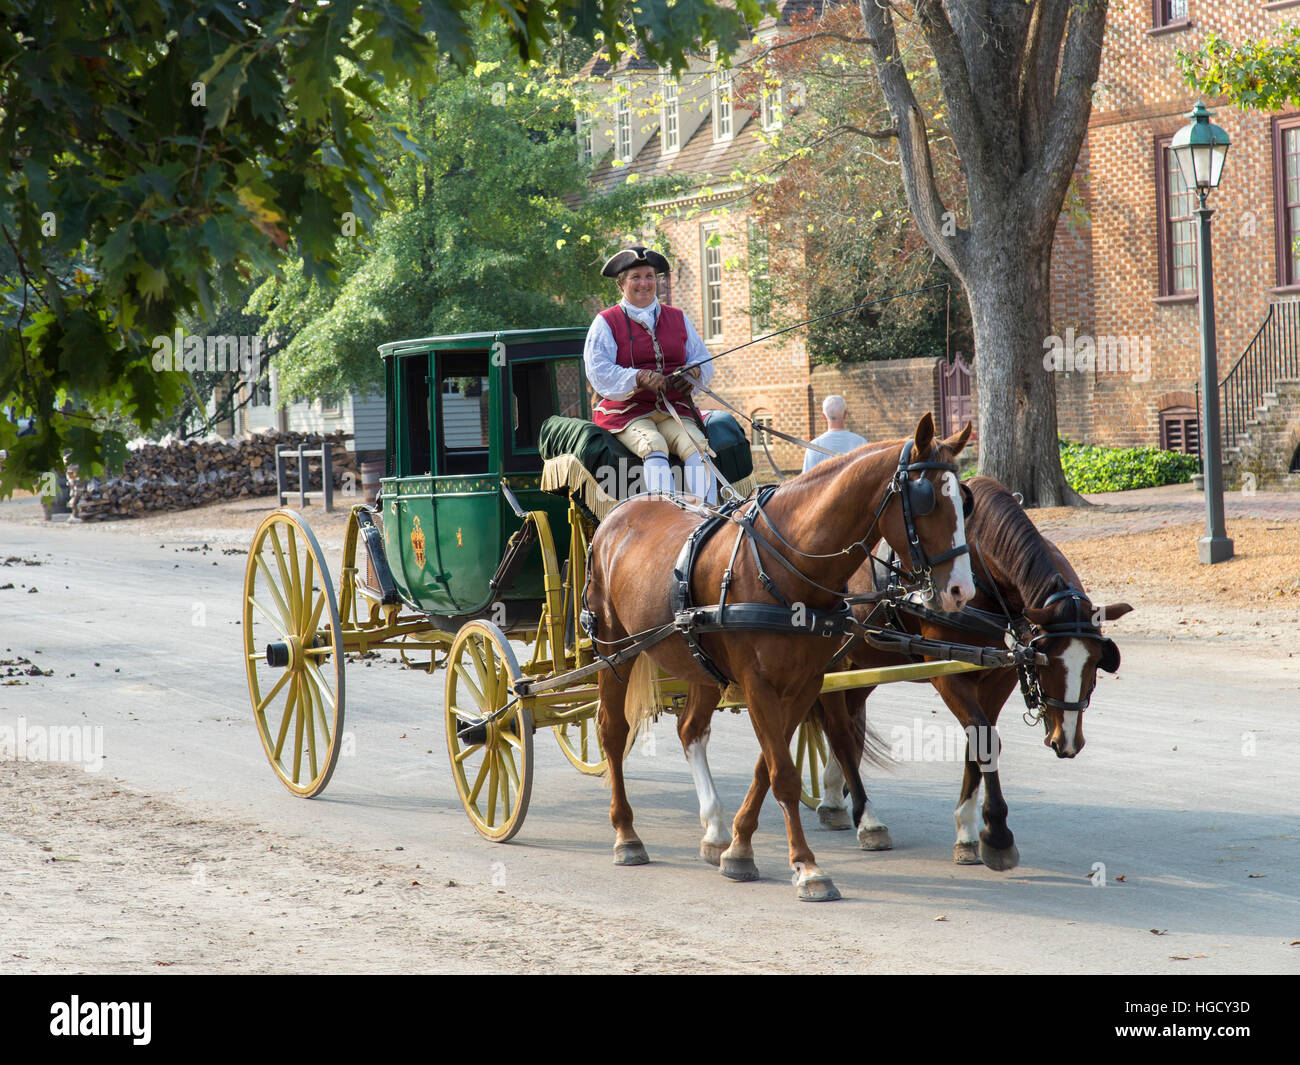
1272	356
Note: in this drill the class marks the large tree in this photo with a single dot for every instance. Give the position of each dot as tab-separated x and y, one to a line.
1017	79
160	155
826	193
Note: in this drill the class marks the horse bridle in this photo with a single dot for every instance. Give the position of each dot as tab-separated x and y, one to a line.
918	500
1079	627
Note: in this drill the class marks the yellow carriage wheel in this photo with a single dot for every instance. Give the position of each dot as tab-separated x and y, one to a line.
580	742
489	734
810	760
293	652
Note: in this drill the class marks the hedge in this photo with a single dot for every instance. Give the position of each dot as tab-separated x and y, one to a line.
1090	468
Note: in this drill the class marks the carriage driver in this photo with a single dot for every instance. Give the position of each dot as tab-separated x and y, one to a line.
630	349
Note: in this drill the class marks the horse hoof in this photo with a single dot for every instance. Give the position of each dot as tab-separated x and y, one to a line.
966	854
875	839
817	888
630	854
712	852
834	817
1000	860
742	869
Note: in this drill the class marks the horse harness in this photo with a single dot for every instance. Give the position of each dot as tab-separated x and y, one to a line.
691	621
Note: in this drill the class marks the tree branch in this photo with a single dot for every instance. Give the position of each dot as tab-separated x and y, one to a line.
1068	121
970	135
1038	72
913	146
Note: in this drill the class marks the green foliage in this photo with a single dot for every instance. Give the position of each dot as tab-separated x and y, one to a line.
1091	468
1254	75
493	226
159	156
830	196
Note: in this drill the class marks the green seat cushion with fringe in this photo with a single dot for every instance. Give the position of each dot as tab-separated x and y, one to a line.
596	449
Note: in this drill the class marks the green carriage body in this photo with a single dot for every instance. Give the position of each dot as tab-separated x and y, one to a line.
463	415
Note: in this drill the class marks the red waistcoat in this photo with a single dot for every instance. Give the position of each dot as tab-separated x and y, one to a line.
635	348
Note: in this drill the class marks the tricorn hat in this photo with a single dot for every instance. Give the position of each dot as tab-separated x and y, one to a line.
638	255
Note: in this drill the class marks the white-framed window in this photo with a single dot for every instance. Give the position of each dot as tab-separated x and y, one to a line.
721	100
670	125
623	121
329	405
711	279
586	136
771	107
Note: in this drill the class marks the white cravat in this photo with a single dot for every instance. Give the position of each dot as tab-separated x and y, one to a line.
645	315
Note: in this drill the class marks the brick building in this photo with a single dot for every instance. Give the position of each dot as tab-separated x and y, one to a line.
1124	270
1124	262
650	124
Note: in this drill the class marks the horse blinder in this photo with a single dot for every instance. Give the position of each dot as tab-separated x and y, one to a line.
1109	660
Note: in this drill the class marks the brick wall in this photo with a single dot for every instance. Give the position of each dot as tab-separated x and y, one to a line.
885	399
1106	272
769	378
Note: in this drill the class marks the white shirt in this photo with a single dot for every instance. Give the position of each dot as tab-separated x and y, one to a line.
840	440
600	353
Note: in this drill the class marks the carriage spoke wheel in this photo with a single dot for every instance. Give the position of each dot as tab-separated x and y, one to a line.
810	762
293	652
580	742
489	734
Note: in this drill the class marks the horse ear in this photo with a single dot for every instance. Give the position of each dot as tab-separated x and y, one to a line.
1040	615
1112	611
924	435
957	441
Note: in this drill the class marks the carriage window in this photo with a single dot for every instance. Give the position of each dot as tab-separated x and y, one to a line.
415	416
462	414
540	390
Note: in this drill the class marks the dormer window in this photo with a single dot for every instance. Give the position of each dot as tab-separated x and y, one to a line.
771	108
670	121
721	101
623	121
586	136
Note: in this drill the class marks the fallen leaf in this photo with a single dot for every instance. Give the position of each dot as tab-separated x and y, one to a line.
1158	931
1256	876
941	917
1121	879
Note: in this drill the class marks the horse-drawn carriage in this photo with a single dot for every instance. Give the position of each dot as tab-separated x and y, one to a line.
479	542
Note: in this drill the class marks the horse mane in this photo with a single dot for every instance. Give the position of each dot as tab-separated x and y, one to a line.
1002	530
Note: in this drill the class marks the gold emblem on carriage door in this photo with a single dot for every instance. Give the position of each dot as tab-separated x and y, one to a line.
459	542
417	543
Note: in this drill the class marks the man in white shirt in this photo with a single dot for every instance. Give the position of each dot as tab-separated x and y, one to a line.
836	438
631	349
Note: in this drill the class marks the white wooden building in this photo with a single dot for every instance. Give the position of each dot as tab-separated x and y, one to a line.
361	416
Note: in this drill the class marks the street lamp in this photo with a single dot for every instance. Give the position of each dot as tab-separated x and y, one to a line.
1200	148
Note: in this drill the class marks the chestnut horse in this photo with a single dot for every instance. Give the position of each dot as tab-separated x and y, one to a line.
1015	567
809	538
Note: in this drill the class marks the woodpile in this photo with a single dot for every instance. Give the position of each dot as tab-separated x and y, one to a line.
177	475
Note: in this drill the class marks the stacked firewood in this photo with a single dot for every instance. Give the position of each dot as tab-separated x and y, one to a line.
175	475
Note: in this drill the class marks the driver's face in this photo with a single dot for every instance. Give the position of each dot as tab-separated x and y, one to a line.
639	286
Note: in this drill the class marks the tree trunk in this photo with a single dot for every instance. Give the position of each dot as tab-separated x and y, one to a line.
1010	313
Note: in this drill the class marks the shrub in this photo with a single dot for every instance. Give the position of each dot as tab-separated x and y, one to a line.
1091	468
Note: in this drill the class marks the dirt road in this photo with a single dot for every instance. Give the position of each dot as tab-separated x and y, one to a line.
180	851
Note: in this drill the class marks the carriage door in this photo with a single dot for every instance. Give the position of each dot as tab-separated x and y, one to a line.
954	394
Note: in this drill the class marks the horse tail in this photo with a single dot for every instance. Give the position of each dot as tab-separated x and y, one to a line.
641	701
873	746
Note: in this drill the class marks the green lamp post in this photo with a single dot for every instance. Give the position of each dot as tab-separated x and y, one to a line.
1200	148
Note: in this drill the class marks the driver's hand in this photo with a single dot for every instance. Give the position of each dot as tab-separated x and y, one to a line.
651	380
